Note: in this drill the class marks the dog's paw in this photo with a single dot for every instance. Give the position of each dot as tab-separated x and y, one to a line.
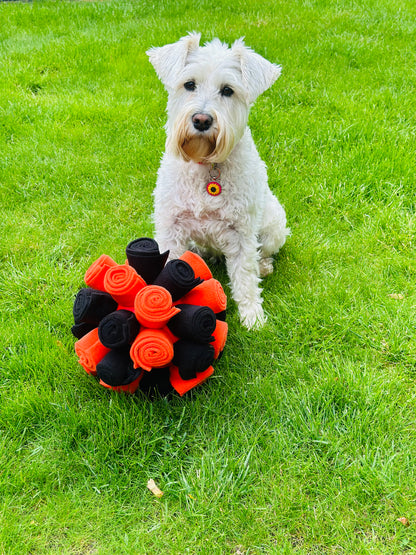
252	317
266	266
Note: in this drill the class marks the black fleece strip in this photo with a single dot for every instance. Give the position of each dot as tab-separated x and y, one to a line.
178	278
117	368
193	322
191	358
118	329
156	382
144	256
81	329
91	305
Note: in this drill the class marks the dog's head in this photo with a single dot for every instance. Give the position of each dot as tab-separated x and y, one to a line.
211	89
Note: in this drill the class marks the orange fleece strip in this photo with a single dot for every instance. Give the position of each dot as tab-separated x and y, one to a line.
90	351
153	307
198	265
152	348
94	276
123	283
183	386
220	334
208	293
129	388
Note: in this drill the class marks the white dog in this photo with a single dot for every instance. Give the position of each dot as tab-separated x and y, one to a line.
212	190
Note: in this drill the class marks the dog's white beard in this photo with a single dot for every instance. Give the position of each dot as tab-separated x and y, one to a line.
182	141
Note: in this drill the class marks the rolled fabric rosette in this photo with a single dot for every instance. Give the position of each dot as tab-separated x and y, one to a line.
191	357
117	369
90	351
123	283
144	256
208	293
152	348
118	329
153	306
94	276
196	323
178	278
198	264
91	305
220	337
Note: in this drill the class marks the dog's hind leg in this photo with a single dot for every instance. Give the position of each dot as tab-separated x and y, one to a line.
272	234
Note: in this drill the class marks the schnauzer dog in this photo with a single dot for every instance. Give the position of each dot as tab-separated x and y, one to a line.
212	193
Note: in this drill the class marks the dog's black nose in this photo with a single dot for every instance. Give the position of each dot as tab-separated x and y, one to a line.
202	122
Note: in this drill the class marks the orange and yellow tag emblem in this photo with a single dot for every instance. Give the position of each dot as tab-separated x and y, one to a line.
213	188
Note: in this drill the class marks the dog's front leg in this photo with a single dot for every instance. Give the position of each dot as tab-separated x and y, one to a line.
171	237
242	260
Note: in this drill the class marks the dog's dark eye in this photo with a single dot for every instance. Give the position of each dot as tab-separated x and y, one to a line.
227	91
190	85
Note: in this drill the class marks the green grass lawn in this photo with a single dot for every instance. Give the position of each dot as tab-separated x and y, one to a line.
304	440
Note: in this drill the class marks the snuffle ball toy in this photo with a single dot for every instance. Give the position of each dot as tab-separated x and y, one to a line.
149	324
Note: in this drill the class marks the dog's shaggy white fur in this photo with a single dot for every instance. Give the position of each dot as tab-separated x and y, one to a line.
210	91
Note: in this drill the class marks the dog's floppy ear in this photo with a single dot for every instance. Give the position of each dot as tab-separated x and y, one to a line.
258	73
169	60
